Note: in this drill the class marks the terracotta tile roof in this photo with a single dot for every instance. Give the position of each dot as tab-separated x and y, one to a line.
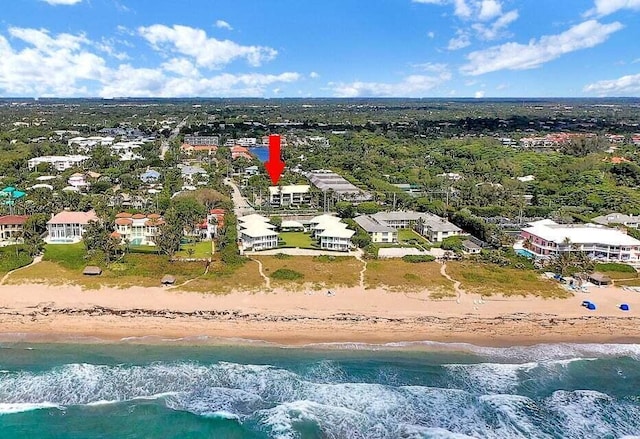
13	219
115	235
153	216
124	221
139	216
124	215
67	217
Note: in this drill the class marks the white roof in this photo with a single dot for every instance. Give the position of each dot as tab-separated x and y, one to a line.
257	231
337	232
42	185
328	224
289	189
256	223
324	217
253	217
580	234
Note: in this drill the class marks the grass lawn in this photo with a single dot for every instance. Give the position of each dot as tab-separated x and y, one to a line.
490	279
63	264
70	256
201	250
297	239
9	260
398	275
405	235
222	280
320	272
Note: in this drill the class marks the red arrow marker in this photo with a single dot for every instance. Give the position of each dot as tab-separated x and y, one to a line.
274	165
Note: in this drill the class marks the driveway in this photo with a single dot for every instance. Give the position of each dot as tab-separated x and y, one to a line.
241	206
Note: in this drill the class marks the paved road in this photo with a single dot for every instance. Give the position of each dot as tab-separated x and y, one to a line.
241	206
164	147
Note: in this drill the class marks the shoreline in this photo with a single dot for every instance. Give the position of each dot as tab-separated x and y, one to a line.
374	319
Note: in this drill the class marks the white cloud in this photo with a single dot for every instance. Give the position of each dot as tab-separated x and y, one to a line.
625	86
479	94
221	24
48	65
410	86
460	41
64	65
208	52
431	35
62	2
489	9
140	82
491	32
314	75
462	9
432	67
485	17
606	7
516	56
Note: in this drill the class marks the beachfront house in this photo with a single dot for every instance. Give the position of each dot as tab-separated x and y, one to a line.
321	222
431	226
11	227
336	237
379	233
289	195
67	227
546	239
137	229
212	225
256	233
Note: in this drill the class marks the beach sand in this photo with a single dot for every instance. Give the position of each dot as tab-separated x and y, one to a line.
66	313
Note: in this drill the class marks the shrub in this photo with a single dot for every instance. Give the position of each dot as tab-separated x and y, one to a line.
416	259
286	274
617	268
283	256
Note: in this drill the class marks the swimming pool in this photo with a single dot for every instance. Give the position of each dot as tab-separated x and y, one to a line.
526	253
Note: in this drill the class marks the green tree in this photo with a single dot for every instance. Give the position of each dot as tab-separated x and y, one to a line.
345	209
98	240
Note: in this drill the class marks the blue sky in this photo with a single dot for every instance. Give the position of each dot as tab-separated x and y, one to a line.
299	48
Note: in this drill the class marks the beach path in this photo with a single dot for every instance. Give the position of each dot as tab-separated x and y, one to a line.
35	261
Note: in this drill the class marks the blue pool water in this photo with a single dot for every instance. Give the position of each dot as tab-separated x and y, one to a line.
262	152
526	253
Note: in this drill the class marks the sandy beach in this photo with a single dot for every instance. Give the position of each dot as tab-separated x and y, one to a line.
55	313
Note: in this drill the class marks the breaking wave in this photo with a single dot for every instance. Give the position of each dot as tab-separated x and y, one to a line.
327	399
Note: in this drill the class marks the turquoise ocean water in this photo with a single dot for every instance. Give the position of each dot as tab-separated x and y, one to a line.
357	391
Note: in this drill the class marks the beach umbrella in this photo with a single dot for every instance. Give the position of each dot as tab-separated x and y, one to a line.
624	307
591	306
585	303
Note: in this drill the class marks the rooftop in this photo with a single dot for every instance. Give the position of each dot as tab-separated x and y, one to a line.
580	234
69	217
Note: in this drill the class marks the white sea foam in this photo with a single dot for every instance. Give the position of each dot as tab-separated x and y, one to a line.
419	432
281	399
489	377
283	419
9	408
587	413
